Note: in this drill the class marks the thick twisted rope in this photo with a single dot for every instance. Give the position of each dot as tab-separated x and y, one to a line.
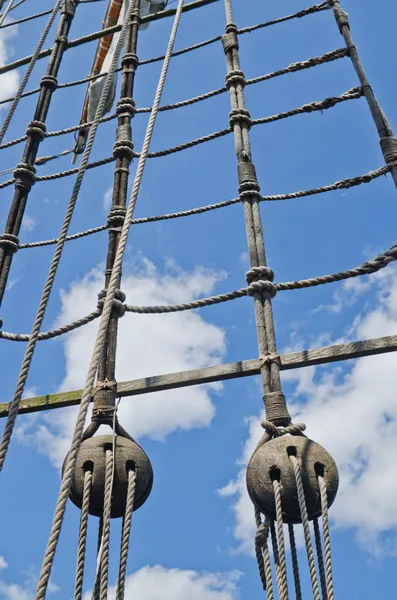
295	563
276	557
125	534
261	535
283	585
320	558
342	184
78	589
107	507
29	70
327	540
108	303
52	333
306	527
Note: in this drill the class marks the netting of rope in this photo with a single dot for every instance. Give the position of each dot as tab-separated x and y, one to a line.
260	279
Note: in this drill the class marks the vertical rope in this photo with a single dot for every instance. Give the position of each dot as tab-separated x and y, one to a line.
283	591
107	506
276	556
6	11
306	527
125	535
262	553
29	70
95	593
327	540
108	304
295	563
78	589
68	472
320	559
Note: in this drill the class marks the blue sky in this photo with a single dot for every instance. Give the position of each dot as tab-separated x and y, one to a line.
194	534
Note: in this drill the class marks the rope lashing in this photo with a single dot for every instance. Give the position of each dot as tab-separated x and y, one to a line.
118	302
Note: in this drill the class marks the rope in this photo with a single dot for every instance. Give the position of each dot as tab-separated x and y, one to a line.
78	590
306	528
52	333
5	13
36	16
308	11
327	540
107	506
261	535
283	586
320	558
343	184
276	557
110	295
125	535
322	105
29	70
295	564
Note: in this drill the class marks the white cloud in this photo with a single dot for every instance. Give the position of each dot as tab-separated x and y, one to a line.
148	345
24	590
29	223
107	200
158	583
352	412
3	563
8	81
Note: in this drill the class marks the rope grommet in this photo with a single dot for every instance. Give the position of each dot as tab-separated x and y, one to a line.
263	272
118	302
25	176
49	81
36	129
389	149
240	115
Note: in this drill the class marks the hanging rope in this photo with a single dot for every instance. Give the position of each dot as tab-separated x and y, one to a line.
295	564
5	13
281	564
108	304
78	589
327	539
125	535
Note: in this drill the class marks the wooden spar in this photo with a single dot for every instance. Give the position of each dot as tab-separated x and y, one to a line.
223	372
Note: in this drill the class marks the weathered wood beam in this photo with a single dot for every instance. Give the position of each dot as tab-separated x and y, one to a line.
247	368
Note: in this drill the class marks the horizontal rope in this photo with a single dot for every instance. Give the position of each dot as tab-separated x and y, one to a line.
311	10
294	67
322	105
61	174
40	14
91	37
52	333
365	268
339	185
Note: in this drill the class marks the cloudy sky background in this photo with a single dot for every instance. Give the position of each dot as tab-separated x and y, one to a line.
194	536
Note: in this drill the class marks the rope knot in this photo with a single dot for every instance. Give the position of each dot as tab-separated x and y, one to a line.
260	279
118	302
125	107
25	176
231	28
123	149
36	129
262	286
234	77
389	149
129	62
50	82
116	217
240	115
106	384
256	273
292	429
9	242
